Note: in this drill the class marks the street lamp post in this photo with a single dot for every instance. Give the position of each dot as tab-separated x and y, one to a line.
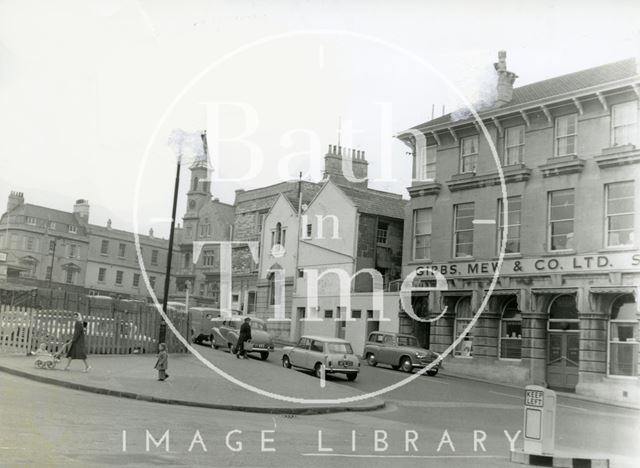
162	335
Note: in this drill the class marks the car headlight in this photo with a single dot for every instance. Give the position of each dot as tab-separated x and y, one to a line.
421	355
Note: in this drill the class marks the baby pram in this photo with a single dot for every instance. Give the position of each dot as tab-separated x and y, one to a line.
47	360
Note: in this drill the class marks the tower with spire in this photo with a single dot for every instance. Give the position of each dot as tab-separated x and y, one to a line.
200	185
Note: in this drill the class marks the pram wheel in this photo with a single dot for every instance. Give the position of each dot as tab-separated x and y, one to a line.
39	364
51	365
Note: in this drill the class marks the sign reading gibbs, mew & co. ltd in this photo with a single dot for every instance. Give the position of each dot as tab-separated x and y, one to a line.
533	265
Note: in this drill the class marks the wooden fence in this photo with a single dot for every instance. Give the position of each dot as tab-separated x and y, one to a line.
112	326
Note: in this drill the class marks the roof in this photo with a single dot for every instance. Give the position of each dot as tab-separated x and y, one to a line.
125	235
42	212
559	85
375	202
329	339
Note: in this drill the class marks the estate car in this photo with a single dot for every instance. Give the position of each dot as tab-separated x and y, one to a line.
399	351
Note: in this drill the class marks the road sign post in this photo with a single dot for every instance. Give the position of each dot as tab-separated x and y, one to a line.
539	420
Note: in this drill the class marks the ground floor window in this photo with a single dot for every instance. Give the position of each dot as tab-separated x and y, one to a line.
511	331
623	337
464	315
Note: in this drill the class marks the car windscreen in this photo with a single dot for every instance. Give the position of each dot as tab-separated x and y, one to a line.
407	341
340	348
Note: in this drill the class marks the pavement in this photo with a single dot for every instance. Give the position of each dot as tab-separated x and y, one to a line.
191	383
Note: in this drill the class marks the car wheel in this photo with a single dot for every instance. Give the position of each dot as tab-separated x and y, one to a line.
371	360
264	355
285	362
51	365
405	365
432	372
317	370
351	377
39	364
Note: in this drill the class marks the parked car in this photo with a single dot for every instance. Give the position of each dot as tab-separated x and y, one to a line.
399	351
202	321
312	352
225	334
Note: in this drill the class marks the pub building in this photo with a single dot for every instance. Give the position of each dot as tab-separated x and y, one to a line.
564	311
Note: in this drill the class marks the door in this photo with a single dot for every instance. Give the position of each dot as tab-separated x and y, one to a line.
563	360
298	324
387	350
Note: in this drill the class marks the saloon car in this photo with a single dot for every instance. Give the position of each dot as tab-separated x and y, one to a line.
225	331
202	320
399	351
315	352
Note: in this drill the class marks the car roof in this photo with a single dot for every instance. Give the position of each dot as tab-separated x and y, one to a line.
328	339
393	333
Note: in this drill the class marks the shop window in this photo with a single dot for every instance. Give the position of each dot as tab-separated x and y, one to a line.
464	315
623	337
619	214
511	331
563	314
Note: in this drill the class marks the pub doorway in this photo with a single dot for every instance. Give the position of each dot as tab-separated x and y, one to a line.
563	343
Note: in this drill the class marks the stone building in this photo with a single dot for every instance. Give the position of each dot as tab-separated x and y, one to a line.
564	309
339	225
48	247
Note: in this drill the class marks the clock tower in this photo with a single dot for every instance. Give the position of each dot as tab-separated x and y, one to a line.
200	185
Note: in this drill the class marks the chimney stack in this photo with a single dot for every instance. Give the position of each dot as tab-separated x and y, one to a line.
338	156
505	80
14	200
81	209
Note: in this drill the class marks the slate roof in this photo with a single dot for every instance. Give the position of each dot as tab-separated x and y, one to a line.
44	213
560	85
376	202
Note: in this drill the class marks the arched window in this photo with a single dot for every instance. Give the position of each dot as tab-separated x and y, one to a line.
511	331
623	337
464	315
271	278
563	314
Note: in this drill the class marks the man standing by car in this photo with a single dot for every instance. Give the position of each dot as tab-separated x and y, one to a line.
244	336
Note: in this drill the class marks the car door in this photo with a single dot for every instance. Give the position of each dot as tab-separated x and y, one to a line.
387	352
297	355
315	354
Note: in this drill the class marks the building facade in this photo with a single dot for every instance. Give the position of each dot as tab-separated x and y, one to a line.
563	309
45	247
344	228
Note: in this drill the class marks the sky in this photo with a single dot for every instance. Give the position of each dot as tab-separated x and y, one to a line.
90	91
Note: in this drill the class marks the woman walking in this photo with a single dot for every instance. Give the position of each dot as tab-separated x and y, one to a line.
77	348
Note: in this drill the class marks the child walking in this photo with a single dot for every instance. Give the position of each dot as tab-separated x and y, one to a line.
163	362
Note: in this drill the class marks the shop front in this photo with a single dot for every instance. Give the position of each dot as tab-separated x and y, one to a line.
569	323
